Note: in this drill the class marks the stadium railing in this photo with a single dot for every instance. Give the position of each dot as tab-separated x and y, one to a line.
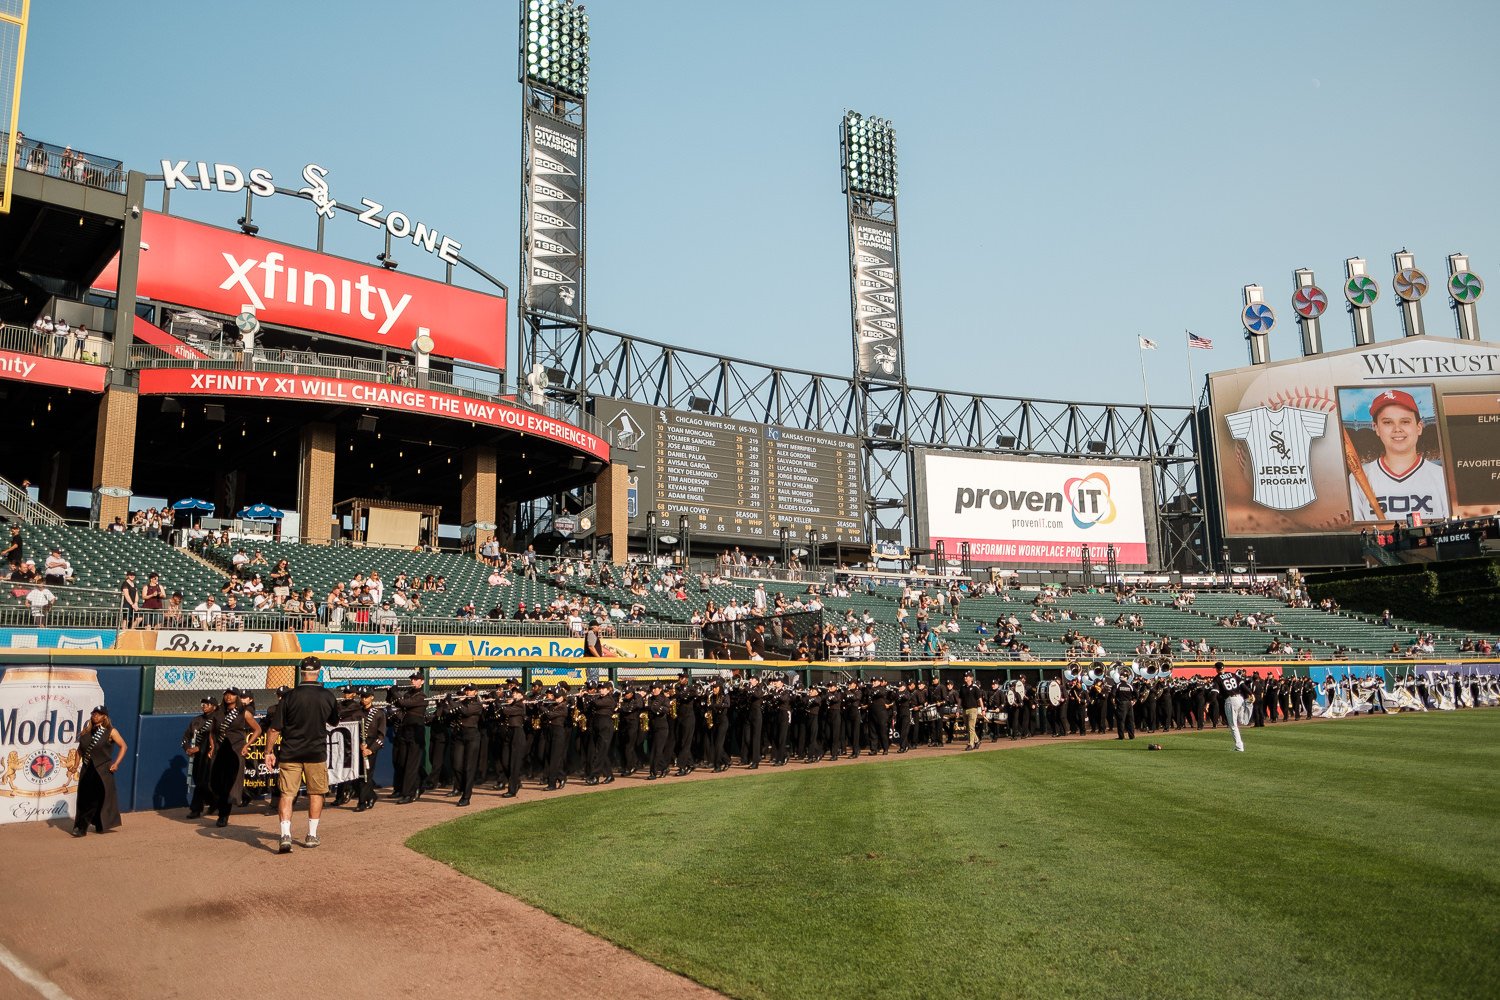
64	162
25	340
252	621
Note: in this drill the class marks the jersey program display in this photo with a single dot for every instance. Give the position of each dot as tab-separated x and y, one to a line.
1357	438
1036	512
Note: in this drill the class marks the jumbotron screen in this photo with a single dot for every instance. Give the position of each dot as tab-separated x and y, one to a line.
738	480
1036	512
1357	438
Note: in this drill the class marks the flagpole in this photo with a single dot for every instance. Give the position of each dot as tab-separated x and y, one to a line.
1145	391
1192	383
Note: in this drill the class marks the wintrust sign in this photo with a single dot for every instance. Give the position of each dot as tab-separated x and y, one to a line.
191	264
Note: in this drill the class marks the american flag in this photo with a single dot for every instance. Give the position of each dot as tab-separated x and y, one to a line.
1196	341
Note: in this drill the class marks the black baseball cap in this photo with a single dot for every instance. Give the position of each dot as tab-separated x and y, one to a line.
415	675
207	700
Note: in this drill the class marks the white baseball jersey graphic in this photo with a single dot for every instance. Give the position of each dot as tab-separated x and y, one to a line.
1279	441
1422	490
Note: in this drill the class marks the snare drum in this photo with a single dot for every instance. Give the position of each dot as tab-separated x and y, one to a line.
996	716
949	711
928	713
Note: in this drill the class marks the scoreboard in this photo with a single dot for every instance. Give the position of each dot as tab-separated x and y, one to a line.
738	480
1473	421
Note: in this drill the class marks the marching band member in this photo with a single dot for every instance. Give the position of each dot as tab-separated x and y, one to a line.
233	728
98	803
371	739
195	743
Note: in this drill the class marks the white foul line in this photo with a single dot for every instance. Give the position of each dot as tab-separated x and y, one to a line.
26	974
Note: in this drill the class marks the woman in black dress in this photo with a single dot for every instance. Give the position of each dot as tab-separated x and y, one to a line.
97	803
234	726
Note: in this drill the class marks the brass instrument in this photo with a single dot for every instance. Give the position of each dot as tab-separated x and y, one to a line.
645	722
672	709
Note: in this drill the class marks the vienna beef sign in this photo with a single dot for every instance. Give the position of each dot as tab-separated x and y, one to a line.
203	267
184	382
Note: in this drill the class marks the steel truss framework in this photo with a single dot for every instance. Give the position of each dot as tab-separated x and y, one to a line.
606	363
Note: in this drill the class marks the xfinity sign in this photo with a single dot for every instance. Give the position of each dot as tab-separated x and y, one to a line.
203	176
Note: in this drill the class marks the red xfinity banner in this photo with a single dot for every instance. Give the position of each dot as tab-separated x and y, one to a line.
185	382
203	267
51	371
157	337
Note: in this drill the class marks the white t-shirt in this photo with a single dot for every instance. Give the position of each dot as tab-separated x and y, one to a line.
1423	489
39	598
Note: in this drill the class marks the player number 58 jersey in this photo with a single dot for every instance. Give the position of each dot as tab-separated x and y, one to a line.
1279	442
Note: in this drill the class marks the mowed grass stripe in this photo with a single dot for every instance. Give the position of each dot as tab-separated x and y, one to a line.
1347	859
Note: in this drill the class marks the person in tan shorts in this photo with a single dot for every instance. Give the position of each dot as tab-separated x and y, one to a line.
308	711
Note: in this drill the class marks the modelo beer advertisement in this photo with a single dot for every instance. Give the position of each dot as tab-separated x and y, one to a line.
1399	431
42	710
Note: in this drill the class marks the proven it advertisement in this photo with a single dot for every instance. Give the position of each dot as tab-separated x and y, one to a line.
1033	512
1398	431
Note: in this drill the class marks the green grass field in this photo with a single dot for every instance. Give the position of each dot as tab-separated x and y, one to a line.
1342	859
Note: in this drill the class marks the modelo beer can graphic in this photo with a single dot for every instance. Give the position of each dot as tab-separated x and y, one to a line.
41	711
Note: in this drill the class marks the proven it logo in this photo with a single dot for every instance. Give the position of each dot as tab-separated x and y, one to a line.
1090	500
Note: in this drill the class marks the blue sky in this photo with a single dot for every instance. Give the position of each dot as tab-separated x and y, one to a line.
1073	175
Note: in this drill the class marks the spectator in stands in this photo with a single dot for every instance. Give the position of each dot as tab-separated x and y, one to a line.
42	329
153	600
206	614
386	620
442	585
60	332
376	586
239	560
40	601
1386	619
14	548
57	571
130	604
231	615
117	526
468	612
281	580
335	605
174	615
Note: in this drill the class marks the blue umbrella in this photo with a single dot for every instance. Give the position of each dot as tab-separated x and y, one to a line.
261	512
193	503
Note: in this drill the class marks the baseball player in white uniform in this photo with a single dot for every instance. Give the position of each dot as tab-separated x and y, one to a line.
1231	691
1404	482
1279	441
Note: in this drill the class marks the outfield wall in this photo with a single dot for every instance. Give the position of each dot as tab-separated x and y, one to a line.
153	694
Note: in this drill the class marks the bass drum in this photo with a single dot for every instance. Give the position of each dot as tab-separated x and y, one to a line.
1054	693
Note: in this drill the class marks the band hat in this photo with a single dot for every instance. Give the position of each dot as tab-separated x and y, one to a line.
1394	397
207	700
415	675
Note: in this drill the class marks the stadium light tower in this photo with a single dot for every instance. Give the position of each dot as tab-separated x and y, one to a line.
867	149
554	75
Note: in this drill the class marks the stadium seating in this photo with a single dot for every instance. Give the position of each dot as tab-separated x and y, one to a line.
100	560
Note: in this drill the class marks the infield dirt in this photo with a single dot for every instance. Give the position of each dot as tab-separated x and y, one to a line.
167	907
